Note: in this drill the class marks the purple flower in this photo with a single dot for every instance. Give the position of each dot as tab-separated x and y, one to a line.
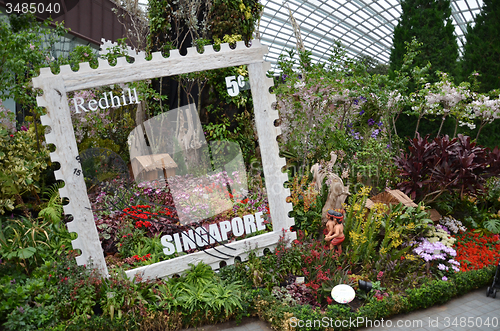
371	122
21	310
356	135
380	123
442	267
23	128
361	112
444	278
375	133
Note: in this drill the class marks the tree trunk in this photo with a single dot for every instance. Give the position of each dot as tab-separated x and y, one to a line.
418	124
456	127
441	126
479	131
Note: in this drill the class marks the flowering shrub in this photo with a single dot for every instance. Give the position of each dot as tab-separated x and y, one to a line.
440	234
452	224
439	257
485	109
444	98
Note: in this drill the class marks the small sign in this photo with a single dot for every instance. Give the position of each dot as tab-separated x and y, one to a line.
300	280
235	84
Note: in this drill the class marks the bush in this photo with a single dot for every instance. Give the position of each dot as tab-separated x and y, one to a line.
22	160
432	168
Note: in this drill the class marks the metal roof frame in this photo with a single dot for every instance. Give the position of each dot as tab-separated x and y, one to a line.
365	27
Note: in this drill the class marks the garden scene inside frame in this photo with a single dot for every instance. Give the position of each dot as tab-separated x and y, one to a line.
167	191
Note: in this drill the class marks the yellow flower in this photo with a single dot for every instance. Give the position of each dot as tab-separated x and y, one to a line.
410	257
396	243
365	190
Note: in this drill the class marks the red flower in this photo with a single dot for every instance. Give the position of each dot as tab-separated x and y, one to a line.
476	252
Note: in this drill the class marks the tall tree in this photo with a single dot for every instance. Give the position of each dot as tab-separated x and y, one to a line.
482	48
430	22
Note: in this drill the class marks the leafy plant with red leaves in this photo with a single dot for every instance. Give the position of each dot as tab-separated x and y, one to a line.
432	168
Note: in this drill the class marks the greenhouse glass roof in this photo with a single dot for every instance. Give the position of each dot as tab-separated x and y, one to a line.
364	27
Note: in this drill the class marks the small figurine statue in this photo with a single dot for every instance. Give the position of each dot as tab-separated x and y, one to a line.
335	229
337	191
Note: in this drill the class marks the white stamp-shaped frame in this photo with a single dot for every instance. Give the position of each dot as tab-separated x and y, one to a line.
58	118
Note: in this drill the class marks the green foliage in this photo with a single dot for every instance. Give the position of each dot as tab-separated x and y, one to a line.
430	22
120	296
374	163
22	159
202	297
18	310
178	26
307	206
77	55
492	225
318	105
98	322
24	242
27	242
136	244
235	17
22	54
30	318
52	208
482	47
382	230
414	219
363	230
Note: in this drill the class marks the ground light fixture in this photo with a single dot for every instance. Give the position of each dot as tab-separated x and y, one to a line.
365	285
343	293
